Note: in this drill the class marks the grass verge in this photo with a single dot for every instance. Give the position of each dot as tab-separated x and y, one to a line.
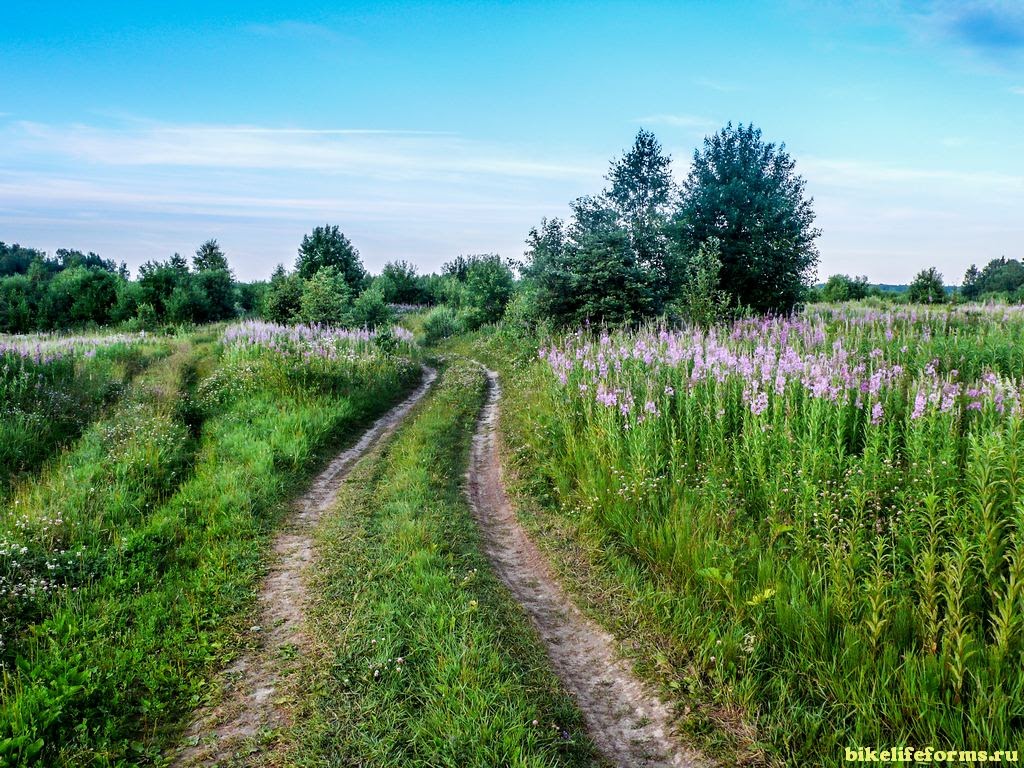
114	653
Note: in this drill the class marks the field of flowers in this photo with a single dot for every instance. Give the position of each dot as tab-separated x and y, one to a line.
128	563
827	511
52	387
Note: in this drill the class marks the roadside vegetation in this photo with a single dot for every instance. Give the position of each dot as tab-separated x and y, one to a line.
127	565
52	388
817	519
424	658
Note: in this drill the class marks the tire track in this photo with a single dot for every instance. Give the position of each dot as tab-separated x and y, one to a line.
249	705
628	723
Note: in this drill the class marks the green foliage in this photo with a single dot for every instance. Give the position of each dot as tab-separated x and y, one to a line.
1000	276
150	535
702	302
440	323
326	298
746	193
808	568
927	287
487	290
282	302
400	284
46	404
15	260
844	288
210	257
369	310
327	246
613	262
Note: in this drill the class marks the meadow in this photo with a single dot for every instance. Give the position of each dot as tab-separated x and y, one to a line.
52	387
128	560
814	523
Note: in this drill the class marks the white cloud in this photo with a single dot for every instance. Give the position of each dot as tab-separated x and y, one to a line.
368	153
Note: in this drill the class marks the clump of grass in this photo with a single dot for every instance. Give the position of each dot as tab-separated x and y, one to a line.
429	661
48	397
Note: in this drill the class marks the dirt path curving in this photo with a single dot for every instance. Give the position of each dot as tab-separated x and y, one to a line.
249	706
627	723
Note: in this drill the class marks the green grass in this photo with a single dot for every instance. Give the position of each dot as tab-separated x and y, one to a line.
151	535
427	660
47	405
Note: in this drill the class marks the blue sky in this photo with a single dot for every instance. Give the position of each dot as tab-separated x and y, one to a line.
429	130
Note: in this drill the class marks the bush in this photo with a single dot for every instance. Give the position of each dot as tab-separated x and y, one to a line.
440	323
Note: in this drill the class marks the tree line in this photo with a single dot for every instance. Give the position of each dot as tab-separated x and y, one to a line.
737	235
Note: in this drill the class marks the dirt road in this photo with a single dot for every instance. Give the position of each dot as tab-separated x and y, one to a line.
627	722
251	682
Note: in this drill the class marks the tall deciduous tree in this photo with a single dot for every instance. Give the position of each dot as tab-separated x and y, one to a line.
746	193
613	261
327	247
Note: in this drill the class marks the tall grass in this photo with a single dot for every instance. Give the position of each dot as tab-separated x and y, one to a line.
128	567
827	511
52	388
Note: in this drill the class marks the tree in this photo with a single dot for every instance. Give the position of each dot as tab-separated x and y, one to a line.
15	260
159	279
487	291
326	298
399	283
78	296
18	299
702	302
209	256
282	302
746	193
369	310
327	247
641	195
971	287
844	288
927	287
613	261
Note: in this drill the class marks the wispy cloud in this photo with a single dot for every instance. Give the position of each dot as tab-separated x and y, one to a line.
361	152
299	30
1017	89
694	122
716	85
397	193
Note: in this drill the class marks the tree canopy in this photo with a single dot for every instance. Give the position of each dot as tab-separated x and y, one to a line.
327	246
746	193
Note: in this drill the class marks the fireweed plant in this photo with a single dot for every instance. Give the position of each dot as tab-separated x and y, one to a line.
828	510
127	567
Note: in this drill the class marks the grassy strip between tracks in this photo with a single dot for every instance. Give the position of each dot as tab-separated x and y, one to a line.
424	658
